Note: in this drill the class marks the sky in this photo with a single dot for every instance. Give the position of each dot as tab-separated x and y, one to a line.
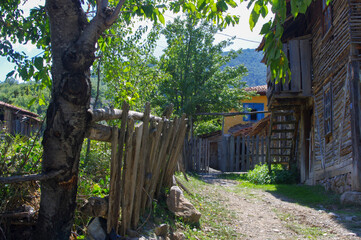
245	38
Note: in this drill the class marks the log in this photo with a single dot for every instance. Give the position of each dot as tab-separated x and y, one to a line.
113	114
99	132
182	186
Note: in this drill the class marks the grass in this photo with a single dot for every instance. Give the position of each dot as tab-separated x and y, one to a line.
216	221
302	194
299	228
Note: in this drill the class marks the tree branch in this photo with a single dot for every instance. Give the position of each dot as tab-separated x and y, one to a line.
111	19
32	177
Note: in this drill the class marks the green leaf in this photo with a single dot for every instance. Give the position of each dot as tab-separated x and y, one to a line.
42	100
266	28
161	18
38	63
253	18
10	73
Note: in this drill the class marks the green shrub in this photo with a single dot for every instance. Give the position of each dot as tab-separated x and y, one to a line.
279	174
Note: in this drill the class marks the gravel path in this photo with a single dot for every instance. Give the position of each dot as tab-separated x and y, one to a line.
261	215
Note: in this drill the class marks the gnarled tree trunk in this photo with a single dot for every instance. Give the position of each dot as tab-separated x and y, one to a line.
73	41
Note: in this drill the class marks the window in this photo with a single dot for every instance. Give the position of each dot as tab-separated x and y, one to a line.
253	107
326	16
327	101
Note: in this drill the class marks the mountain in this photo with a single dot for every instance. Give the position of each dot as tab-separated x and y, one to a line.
257	71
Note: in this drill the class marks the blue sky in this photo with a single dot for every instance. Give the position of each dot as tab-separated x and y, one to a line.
241	31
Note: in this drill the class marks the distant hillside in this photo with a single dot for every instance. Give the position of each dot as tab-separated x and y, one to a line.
256	70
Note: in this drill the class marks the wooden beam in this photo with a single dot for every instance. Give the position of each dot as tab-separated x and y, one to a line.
113	114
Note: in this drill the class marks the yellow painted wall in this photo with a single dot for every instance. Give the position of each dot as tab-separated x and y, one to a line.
234	120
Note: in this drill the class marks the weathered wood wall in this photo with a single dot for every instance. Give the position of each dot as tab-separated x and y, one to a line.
333	154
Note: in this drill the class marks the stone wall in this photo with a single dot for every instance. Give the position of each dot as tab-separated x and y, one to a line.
338	184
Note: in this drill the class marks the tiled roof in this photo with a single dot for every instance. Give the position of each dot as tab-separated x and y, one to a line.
261	90
31	114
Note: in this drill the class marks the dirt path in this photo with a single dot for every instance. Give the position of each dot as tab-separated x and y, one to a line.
261	215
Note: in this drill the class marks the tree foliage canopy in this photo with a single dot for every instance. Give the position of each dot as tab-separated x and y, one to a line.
196	81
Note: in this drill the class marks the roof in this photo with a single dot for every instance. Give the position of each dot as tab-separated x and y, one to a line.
254	129
23	111
261	90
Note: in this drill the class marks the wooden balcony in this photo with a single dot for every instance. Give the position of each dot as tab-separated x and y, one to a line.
300	84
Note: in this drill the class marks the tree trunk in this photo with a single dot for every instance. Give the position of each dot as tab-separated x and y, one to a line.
73	41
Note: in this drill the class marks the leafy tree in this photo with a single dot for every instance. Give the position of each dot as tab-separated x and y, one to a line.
128	66
23	94
196	81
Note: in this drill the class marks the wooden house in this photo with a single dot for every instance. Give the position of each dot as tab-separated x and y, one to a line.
256	103
315	121
15	120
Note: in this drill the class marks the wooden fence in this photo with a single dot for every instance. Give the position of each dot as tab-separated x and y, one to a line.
143	160
228	153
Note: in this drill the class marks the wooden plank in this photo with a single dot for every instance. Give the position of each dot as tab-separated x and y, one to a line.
286	84
165	160
175	153
354	69
137	211
231	154
305	50
243	152
295	67
257	160
223	165
248	160
263	145
115	183
238	151
137	142
153	134
126	179
168	129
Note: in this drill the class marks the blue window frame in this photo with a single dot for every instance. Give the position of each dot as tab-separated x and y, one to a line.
254	107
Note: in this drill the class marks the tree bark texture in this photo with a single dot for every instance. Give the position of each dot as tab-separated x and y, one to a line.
73	41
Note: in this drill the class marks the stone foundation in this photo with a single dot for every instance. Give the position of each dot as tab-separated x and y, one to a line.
339	184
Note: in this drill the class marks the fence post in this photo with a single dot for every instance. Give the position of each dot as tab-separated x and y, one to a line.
262	148
231	154
248	154
243	162
238	149
257	150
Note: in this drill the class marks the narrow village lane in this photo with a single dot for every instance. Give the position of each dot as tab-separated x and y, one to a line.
259	214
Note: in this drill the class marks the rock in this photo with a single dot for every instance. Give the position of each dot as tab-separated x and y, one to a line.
95	207
177	236
132	233
333	215
97	229
161	230
353	198
181	206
